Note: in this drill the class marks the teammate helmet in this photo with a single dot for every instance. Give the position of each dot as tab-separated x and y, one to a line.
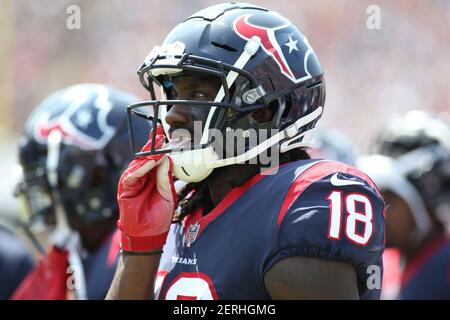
332	144
91	120
413	161
260	59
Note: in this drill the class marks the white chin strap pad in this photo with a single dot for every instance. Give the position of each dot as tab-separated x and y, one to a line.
190	166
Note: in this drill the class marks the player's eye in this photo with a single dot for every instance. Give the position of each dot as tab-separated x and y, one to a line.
198	94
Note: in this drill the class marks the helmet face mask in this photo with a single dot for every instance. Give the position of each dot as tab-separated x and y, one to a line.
32	189
261	61
222	104
430	175
83	190
35	197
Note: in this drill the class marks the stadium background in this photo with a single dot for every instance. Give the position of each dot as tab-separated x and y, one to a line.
370	74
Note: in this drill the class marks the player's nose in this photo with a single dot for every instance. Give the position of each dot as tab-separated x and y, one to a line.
177	116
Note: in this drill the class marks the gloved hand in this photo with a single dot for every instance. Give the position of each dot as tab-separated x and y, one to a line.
147	200
48	281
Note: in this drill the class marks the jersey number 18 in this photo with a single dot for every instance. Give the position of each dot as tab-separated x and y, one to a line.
339	204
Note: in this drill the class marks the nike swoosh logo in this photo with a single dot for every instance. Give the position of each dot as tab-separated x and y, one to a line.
335	181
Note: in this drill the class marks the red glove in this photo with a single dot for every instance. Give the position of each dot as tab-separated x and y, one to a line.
48	281
147	200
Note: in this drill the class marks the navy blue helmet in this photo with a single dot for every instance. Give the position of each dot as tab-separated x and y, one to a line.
260	59
94	150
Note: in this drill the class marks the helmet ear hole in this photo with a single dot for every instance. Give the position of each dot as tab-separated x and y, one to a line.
264	115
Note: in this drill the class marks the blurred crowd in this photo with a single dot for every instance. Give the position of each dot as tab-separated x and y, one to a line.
371	76
370	73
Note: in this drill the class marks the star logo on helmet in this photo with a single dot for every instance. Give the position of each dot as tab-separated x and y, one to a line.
83	118
291	44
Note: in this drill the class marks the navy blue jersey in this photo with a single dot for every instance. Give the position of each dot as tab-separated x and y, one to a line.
100	266
15	262
315	208
427	275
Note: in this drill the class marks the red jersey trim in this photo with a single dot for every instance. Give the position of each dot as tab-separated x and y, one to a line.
114	248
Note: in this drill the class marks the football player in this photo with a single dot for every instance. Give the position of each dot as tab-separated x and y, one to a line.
74	147
412	170
257	219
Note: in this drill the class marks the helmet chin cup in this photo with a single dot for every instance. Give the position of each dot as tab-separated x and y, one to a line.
192	165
